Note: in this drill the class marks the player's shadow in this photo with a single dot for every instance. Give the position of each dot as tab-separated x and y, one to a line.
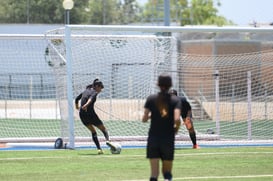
91	154
183	148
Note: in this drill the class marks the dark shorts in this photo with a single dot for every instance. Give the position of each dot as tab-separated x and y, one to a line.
90	118
160	148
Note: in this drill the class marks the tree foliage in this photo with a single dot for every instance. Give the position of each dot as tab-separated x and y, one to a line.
83	12
102	12
184	12
31	11
112	12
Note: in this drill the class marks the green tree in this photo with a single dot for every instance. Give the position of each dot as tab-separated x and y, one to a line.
197	12
129	12
13	12
101	12
43	11
31	11
113	12
104	12
40	11
79	13
83	12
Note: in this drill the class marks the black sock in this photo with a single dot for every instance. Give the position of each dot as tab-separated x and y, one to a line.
153	179
167	175
193	137
106	135
96	141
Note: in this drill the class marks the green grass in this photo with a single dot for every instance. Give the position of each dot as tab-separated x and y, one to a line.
225	164
261	129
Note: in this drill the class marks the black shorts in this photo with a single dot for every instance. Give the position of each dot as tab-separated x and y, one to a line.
90	118
160	148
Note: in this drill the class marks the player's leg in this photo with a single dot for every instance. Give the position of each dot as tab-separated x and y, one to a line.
167	169
189	125
99	124
193	138
95	137
153	154
154	165
106	135
103	129
167	156
86	120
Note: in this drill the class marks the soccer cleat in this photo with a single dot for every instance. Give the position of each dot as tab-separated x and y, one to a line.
195	146
100	152
112	147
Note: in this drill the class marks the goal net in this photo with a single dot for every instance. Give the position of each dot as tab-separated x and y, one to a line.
226	74
29	110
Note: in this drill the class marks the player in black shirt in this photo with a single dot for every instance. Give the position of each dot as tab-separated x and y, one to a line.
164	112
186	114
87	113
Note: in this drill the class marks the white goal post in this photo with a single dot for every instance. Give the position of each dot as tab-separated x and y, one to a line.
225	73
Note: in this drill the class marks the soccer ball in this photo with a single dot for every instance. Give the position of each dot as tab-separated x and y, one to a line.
116	149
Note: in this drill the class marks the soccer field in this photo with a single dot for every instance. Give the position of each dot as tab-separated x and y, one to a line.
225	164
224	72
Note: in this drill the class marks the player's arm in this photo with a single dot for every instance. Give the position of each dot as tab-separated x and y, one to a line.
77	99
177	121
85	106
187	120
177	115
146	115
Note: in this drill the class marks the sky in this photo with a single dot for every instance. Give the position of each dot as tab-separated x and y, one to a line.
244	12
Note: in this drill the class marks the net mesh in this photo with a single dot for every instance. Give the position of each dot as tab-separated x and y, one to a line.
129	63
28	105
236	67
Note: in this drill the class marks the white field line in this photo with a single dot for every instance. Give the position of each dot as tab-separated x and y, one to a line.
222	153
32	158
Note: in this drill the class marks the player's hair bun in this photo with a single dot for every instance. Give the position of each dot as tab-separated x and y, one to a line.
97	82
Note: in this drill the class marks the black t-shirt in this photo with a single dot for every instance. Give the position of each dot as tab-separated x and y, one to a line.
162	126
85	95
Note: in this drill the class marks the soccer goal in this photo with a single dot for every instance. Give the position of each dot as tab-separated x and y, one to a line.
226	73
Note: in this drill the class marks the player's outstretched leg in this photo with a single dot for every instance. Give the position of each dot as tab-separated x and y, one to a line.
193	138
97	143
106	135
